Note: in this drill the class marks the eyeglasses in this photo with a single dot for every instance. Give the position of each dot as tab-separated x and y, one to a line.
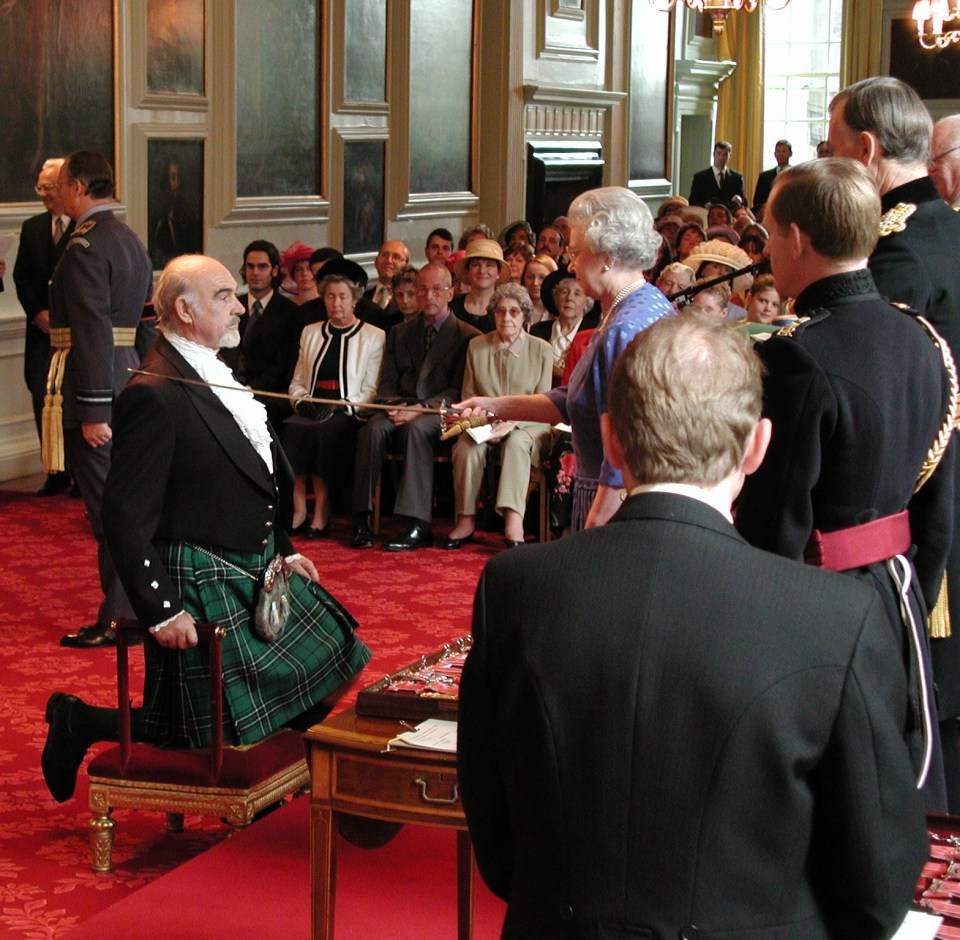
43	188
935	160
433	290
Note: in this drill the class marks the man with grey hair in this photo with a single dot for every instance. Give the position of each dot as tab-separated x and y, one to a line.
704	739
883	124
197	504
42	240
945	159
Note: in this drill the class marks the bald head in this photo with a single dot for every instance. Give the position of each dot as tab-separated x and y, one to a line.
945	158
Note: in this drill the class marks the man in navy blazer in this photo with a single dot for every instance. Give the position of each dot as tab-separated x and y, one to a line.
423	365
718	183
665	732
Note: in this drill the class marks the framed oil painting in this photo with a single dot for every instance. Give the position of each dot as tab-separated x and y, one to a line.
174	198
175	47
363	181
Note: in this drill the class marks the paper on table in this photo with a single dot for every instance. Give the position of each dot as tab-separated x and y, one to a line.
6	243
434	734
918	926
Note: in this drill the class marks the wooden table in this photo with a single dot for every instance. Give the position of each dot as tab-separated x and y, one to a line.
350	774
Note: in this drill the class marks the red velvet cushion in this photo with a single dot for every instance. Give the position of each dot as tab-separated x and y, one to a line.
242	767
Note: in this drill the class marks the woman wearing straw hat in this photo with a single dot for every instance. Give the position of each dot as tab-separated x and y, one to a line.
482	267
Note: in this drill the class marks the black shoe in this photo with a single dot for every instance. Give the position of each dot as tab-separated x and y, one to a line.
457	543
91	637
64	749
417	536
513	543
55	483
362	536
319	533
301	529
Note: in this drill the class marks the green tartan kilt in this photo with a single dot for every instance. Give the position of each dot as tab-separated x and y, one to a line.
265	685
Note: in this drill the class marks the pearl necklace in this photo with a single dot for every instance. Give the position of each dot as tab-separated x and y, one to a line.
624	292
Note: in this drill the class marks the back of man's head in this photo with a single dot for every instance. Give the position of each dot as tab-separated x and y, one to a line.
833	201
685	397
93	170
893	112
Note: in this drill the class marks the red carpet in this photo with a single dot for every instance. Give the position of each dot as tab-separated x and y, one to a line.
405	889
405	604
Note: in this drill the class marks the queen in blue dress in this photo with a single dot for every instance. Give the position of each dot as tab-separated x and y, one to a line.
612	242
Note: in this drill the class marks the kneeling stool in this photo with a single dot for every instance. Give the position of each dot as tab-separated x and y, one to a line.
234	783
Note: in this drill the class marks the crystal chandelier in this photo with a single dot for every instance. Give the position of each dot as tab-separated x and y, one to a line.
930	16
718	9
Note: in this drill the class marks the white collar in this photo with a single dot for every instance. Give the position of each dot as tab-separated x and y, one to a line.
711	497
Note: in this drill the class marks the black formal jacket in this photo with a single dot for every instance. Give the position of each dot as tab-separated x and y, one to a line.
412	375
181	470
764	184
704	188
37	256
666	733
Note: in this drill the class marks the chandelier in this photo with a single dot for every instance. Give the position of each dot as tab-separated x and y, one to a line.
718	9
930	16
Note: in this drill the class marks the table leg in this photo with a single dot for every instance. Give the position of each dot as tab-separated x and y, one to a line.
466	869
323	844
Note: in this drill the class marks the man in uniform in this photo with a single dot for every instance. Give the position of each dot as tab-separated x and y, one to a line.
96	300
883	124
724	760
859	398
42	240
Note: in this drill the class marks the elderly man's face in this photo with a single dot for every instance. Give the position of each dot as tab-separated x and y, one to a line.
433	292
945	167
47	189
216	311
390	259
672	282
550	243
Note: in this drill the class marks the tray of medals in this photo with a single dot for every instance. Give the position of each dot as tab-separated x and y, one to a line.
428	688
938	888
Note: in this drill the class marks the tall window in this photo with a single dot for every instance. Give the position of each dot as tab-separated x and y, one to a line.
802	74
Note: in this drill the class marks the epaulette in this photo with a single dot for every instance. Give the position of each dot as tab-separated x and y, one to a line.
83	229
895	220
904	308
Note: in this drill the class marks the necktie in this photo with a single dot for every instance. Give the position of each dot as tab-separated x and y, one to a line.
57	230
428	335
383	296
255	312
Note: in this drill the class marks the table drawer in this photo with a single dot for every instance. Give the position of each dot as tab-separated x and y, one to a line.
371	783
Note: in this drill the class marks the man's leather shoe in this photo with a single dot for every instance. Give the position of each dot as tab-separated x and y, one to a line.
64	749
457	543
417	536
55	483
362	536
91	637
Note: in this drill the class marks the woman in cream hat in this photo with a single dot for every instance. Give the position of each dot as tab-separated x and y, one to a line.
482	268
715	257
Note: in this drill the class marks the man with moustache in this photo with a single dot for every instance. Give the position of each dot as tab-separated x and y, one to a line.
197	503
42	240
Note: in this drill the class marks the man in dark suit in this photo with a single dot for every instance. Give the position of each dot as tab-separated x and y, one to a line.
883	124
196	505
96	300
782	153
423	365
718	183
269	330
391	257
42	240
664	732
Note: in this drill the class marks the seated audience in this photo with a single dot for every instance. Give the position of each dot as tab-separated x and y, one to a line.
439	246
551	242
519	232
689	236
672	206
675	278
339	358
423	365
753	239
506	362
302	274
391	257
517	255
715	302
665	733
723	233
669	228
475	231
192	512
405	292
482	268
719	213
716	257
536	270
763	301
569	306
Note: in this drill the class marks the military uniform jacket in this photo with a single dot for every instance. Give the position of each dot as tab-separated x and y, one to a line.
413	375
722	760
916	264
101	282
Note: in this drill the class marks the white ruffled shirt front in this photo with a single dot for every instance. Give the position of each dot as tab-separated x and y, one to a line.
250	415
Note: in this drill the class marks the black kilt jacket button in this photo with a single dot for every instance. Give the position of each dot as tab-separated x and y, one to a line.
566	912
269	525
688	932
